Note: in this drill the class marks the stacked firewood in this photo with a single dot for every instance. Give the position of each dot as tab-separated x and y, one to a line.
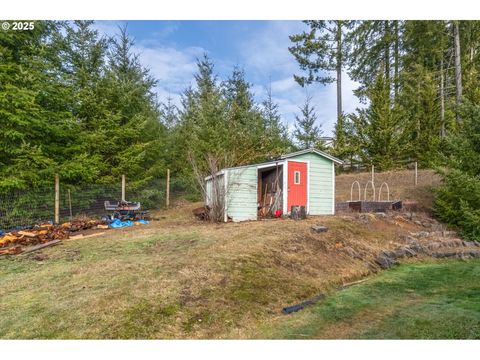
44	233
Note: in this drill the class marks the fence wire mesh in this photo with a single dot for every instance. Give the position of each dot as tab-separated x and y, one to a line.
21	208
24	208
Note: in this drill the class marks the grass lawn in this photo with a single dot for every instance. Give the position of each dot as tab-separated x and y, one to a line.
412	301
181	278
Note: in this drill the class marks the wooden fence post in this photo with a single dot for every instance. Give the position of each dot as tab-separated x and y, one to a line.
167	198
373	174
56	219
416	173
123	187
70	203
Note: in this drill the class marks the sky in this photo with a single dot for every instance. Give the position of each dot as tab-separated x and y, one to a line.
170	49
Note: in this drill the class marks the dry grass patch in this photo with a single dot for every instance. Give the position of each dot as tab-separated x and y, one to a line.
401	184
181	278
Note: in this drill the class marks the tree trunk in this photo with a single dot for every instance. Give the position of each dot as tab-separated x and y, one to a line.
339	65
442	100
396	57
458	66
387	42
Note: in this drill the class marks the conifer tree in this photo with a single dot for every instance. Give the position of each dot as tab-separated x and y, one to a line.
376	130
276	132
323	52
307	132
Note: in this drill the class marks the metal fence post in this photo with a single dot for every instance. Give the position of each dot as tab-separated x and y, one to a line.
56	219
123	187
167	200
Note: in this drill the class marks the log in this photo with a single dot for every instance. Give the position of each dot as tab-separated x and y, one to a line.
27	233
41	246
298	212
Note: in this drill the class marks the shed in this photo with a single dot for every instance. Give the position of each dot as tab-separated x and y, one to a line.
254	191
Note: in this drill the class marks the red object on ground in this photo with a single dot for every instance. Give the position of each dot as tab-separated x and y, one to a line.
278	213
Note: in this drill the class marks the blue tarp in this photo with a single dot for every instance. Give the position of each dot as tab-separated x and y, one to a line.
117	223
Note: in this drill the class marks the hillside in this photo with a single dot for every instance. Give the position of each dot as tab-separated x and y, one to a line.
401	184
181	278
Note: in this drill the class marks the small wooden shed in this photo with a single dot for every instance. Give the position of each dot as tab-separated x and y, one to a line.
303	178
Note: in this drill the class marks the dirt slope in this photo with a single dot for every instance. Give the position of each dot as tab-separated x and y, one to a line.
181	278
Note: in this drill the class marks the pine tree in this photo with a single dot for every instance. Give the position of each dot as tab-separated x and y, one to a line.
307	133
376	45
376	131
34	119
321	51
457	201
276	133
203	122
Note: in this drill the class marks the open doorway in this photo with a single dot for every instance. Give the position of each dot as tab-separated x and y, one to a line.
270	191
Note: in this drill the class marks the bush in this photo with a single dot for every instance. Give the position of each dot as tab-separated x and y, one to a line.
458	203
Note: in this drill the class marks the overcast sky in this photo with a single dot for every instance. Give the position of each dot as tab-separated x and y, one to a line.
170	49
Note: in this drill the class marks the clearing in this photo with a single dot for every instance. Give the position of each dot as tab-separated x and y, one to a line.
181	278
414	301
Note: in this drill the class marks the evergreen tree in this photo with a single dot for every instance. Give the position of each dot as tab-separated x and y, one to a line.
34	119
276	132
458	199
203	122
376	131
307	133
376	45
323	51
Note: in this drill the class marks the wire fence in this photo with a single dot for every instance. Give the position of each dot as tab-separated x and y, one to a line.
20	209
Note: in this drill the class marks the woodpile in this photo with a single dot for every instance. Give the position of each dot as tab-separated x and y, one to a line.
12	242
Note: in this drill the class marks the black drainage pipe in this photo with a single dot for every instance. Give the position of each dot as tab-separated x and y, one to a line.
295	308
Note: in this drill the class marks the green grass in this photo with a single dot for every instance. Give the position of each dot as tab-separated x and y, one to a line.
179	278
414	301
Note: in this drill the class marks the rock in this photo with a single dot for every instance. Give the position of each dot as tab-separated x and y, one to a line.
420	234
448	233
388	253
319	229
380	214
417	222
409	252
399	253
476	243
411	240
385	262
450	254
433	246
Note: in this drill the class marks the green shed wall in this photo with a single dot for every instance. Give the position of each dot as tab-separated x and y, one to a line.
322	183
242	193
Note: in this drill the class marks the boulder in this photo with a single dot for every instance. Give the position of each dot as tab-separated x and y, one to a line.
385	262
409	252
388	253
319	229
399	253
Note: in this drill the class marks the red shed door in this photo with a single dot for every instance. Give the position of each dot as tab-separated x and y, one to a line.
297	184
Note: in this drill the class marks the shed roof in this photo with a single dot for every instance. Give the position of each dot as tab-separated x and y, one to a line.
314	151
283	157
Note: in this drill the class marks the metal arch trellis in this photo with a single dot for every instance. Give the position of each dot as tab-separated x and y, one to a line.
380	191
359	191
